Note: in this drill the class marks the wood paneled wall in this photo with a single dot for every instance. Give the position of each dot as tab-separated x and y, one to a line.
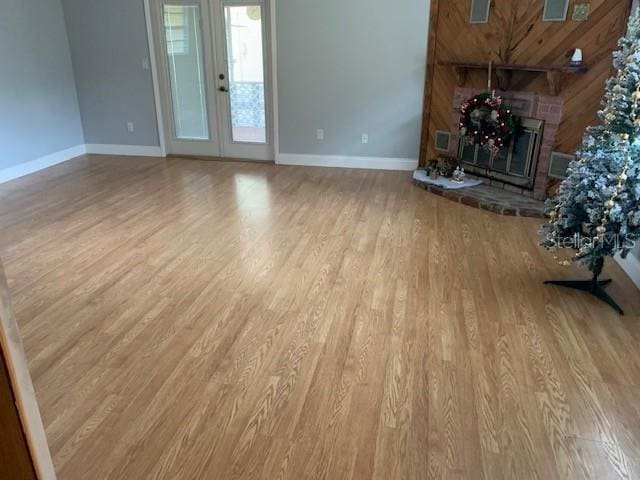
516	34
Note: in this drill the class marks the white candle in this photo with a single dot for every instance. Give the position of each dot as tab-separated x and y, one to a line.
577	57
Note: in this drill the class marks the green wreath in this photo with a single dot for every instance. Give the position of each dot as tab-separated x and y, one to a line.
486	121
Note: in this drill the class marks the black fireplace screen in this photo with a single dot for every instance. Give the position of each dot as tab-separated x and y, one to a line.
515	165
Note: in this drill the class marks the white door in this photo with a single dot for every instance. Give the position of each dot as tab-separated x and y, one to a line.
243	60
185	59
213	74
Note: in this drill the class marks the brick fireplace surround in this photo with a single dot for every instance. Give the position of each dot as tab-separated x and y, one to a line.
523	104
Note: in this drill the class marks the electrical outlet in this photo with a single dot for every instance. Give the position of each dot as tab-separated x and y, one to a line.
365	138
130	127
320	134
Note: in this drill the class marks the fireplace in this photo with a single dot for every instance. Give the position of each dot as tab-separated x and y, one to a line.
523	167
515	165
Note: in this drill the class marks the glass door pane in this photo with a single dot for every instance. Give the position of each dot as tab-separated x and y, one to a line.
501	160
521	150
183	37
467	152
245	62
484	157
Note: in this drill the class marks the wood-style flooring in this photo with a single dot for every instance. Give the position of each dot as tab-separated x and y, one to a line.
218	320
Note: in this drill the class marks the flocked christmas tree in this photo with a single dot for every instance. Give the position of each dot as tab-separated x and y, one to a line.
597	209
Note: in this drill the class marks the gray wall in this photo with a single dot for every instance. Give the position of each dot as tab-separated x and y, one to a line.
108	41
37	95
347	67
351	67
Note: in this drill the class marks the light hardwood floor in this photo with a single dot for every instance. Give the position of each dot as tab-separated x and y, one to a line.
211	320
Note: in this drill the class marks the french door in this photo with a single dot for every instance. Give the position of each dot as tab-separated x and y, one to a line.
214	77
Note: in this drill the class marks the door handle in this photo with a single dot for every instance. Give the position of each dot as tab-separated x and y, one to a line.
223	89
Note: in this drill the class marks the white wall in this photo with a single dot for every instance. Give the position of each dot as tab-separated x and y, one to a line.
38	100
631	265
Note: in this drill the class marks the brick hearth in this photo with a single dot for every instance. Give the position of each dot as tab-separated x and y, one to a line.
492	199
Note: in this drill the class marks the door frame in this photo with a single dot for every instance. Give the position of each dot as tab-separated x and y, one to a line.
21	386
271	78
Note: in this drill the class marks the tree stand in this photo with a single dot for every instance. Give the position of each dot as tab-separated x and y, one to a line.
593	286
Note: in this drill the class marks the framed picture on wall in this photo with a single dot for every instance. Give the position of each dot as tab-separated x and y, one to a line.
555	10
581	12
480	11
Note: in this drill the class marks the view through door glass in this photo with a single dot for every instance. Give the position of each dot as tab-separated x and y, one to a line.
244	36
186	71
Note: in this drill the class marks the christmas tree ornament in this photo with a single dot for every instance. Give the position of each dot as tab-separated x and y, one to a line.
597	208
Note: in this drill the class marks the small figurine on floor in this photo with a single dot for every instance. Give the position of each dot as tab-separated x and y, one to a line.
432	170
458	175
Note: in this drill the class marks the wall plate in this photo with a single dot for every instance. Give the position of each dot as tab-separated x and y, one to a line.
558	164
443	140
555	10
480	11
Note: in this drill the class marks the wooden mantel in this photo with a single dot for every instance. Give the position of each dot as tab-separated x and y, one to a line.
504	71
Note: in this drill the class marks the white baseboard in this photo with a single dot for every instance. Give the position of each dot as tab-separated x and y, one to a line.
127	150
631	266
371	163
55	158
41	163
